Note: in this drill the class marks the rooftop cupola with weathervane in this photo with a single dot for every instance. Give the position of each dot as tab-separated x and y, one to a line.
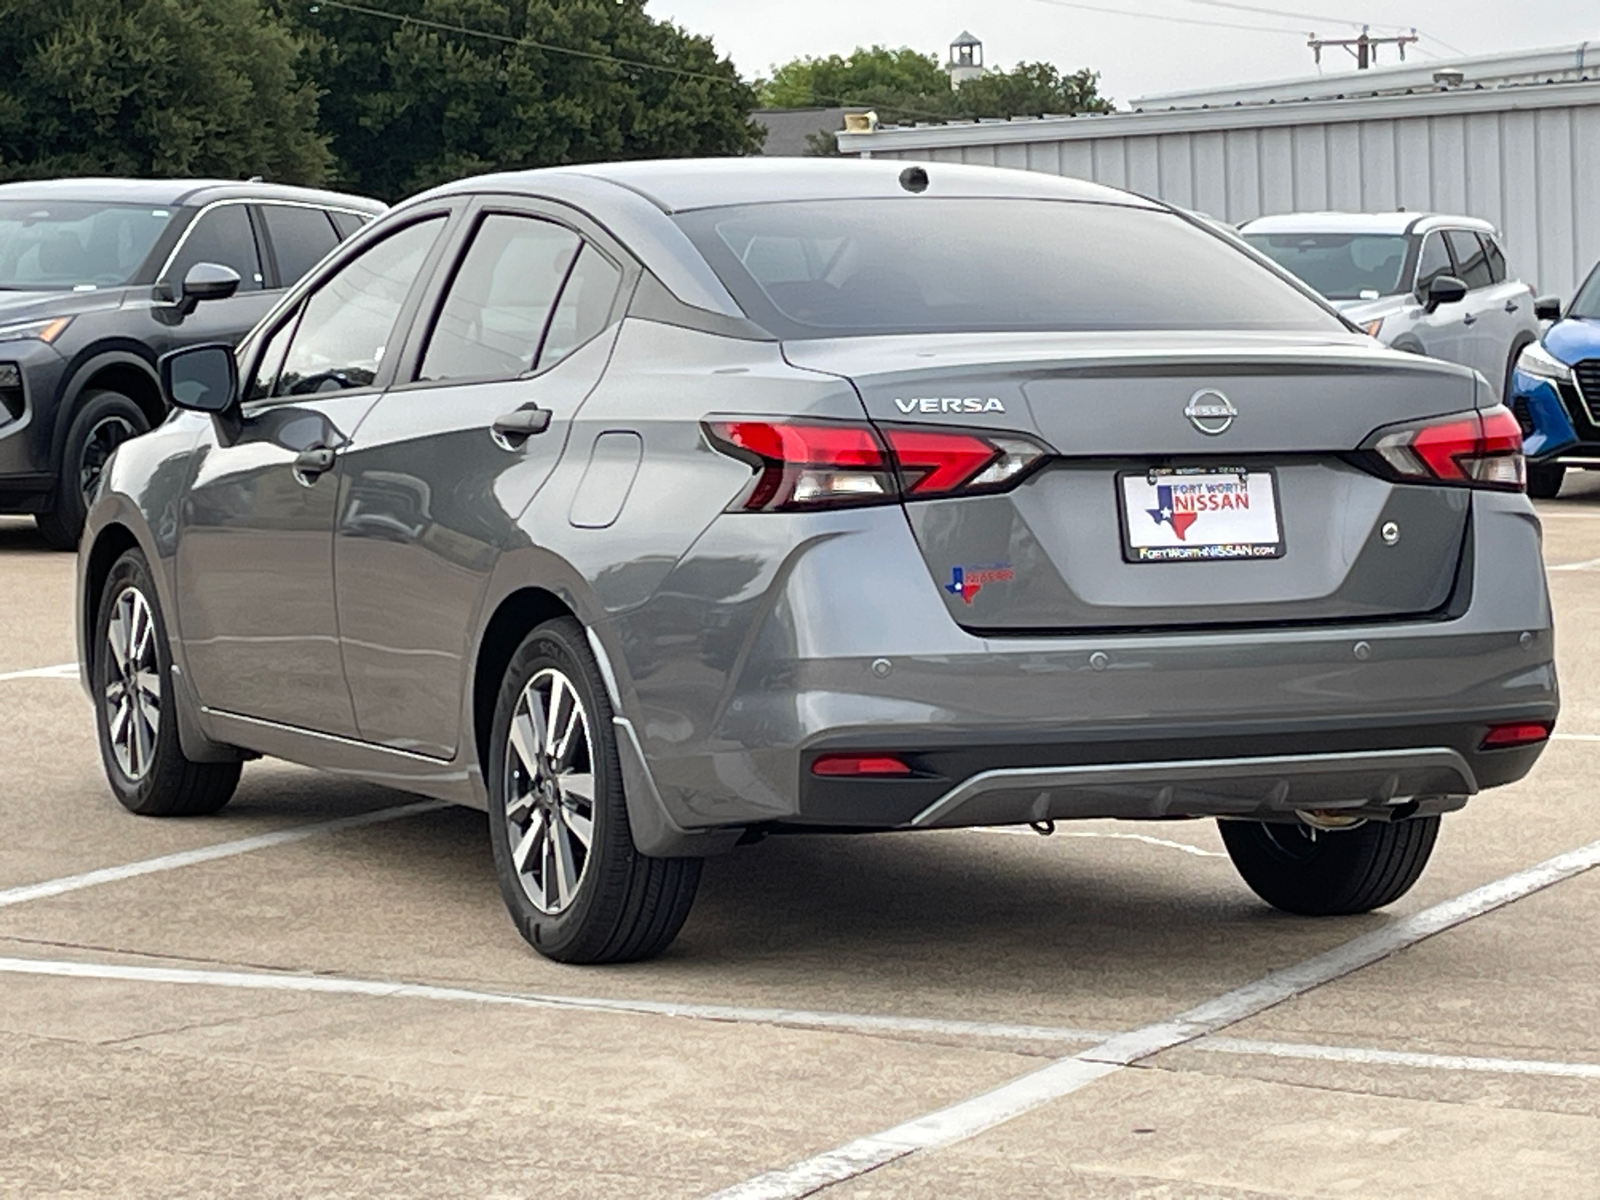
966	60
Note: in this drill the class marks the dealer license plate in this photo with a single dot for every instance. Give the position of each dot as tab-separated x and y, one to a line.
1199	514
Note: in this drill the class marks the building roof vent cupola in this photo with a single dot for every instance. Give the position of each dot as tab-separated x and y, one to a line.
966	59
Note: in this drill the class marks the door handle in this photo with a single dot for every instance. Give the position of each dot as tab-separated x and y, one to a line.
1470	319
1512	306
309	464
514	428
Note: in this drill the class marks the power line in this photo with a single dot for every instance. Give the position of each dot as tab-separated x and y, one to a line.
1303	16
507	39
1172	17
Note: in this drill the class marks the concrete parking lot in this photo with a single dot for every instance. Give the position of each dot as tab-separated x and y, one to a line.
318	993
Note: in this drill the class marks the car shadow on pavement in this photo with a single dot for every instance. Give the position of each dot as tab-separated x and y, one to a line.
20	533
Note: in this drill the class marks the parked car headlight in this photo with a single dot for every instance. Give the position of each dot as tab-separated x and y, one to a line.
1371	327
45	331
1537	361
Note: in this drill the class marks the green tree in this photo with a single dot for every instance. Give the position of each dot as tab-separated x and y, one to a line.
154	87
1031	90
866	76
903	86
460	87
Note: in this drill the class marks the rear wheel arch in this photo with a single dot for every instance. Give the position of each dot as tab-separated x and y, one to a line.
514	618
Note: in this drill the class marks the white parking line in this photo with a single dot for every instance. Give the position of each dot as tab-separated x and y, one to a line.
59	671
789	1018
187	858
1401	1058
1587	564
989	1109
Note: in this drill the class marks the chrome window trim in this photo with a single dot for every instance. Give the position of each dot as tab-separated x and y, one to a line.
161	276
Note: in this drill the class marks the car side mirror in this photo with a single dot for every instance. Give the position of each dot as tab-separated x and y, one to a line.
201	378
207	281
1547	308
1443	289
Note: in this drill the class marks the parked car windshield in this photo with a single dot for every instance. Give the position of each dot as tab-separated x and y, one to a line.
931	265
56	244
1587	302
1342	266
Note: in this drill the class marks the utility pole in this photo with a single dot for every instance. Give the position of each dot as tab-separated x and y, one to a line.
1363	48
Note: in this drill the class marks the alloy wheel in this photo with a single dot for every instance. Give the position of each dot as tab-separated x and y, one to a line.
550	791
132	692
105	436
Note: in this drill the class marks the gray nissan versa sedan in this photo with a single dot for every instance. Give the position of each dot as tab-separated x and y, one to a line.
659	507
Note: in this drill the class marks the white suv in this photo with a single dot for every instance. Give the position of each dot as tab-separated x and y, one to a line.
1431	284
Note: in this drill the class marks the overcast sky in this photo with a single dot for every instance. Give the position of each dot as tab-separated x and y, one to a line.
1135	55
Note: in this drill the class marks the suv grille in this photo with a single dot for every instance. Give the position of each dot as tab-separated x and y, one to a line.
1587	375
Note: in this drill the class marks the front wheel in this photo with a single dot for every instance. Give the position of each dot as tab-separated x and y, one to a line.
1544	480
576	887
131	672
1323	873
104	421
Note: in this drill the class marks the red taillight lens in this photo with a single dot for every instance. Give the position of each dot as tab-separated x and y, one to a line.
1517	733
858	765
1468	449
829	465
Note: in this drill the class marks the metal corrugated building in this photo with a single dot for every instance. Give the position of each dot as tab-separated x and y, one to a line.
1517	144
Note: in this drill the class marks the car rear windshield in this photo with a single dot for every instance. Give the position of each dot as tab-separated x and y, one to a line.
933	265
1587	302
54	244
1342	266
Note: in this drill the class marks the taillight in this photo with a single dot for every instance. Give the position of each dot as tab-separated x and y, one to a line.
814	464
1472	449
860	765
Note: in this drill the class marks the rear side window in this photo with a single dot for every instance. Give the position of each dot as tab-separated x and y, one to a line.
347	325
1497	260
1471	261
300	238
1433	262
219	235
932	265
346	222
493	317
585	306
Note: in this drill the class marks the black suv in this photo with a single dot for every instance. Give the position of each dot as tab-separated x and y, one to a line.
98	278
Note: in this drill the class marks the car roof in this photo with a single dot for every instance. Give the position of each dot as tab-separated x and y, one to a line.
1393	223
684	184
177	193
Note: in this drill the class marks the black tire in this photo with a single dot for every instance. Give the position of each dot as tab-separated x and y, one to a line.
104	421
1544	480
621	906
1317	873
146	767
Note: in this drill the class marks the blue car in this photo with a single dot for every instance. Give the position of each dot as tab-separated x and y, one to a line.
1555	389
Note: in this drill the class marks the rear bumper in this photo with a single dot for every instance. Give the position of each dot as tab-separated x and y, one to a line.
749	665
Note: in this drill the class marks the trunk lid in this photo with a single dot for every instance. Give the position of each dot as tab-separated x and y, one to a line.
1124	415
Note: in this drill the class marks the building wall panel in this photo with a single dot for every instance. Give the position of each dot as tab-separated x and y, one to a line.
1533	171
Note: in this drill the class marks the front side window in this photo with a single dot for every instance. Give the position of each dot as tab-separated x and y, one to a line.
348	324
48	245
932	265
301	238
1586	304
1341	266
493	318
219	235
1433	262
1472	263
